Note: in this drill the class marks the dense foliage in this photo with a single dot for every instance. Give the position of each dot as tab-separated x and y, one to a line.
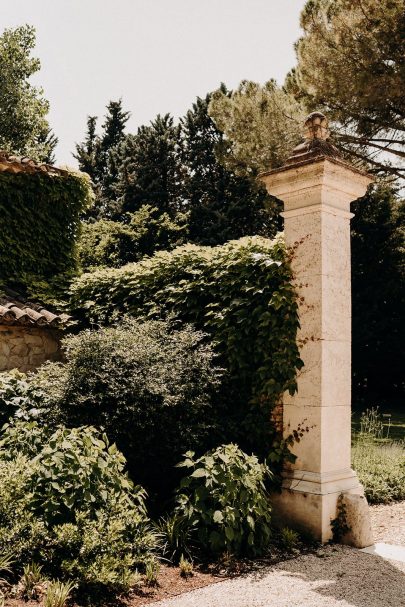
148	386
68	505
240	293
24	128
378	290
261	124
114	243
176	169
224	498
222	204
351	64
39	227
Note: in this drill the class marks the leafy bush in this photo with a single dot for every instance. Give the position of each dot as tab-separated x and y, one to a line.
22	438
240	293
114	243
224	497
18	396
103	553
381	470
77	470
21	532
72	510
150	388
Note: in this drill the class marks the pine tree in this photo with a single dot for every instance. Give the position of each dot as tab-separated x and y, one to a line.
150	167
96	156
222	205
112	135
86	151
351	66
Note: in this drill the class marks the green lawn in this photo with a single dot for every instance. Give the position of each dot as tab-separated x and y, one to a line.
378	453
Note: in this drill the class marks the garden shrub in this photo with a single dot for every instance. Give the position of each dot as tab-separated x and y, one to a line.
72	509
224	498
148	386
21	532
18	396
76	470
240	293
381	470
39	227
114	243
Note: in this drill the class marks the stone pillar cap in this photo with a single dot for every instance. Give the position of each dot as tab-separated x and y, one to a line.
316	126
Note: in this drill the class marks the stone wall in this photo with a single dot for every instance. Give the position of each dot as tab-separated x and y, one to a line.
26	348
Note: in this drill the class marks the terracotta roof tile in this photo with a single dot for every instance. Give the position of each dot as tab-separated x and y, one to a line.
21	164
16	311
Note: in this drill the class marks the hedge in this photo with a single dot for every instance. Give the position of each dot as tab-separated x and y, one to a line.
240	293
39	226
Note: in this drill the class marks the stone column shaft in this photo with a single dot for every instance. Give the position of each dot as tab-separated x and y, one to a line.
317	190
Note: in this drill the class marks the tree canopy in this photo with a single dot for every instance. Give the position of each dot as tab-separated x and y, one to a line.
351	65
261	124
222	204
96	155
24	129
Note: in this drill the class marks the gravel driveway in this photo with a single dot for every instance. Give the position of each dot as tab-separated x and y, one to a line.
337	576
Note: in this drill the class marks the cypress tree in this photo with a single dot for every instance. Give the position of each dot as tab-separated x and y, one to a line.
150	168
222	205
96	156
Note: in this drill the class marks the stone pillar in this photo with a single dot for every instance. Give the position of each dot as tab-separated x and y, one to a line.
317	187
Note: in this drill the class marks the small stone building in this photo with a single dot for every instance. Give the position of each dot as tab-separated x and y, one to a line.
29	334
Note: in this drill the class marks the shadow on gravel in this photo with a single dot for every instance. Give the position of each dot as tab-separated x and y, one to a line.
342	573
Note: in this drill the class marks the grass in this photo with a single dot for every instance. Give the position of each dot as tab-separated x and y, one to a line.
381	470
378	454
392	418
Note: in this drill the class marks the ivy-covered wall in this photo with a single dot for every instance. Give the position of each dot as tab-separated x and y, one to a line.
240	293
40	220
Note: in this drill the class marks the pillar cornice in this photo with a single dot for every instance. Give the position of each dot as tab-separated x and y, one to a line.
320	180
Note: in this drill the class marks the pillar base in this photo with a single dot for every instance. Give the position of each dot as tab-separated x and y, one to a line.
308	500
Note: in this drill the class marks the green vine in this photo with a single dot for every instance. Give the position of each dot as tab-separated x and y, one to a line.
240	293
39	228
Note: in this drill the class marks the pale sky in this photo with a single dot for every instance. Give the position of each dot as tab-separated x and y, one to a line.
158	55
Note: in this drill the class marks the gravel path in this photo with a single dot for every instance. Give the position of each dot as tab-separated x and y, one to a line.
388	522
337	576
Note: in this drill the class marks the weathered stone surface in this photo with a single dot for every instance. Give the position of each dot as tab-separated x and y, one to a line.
26	348
358	520
317	193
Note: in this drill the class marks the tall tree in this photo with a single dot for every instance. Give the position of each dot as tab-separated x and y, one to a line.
261	125
112	135
222	205
24	128
150	167
351	65
86	151
96	155
378	271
